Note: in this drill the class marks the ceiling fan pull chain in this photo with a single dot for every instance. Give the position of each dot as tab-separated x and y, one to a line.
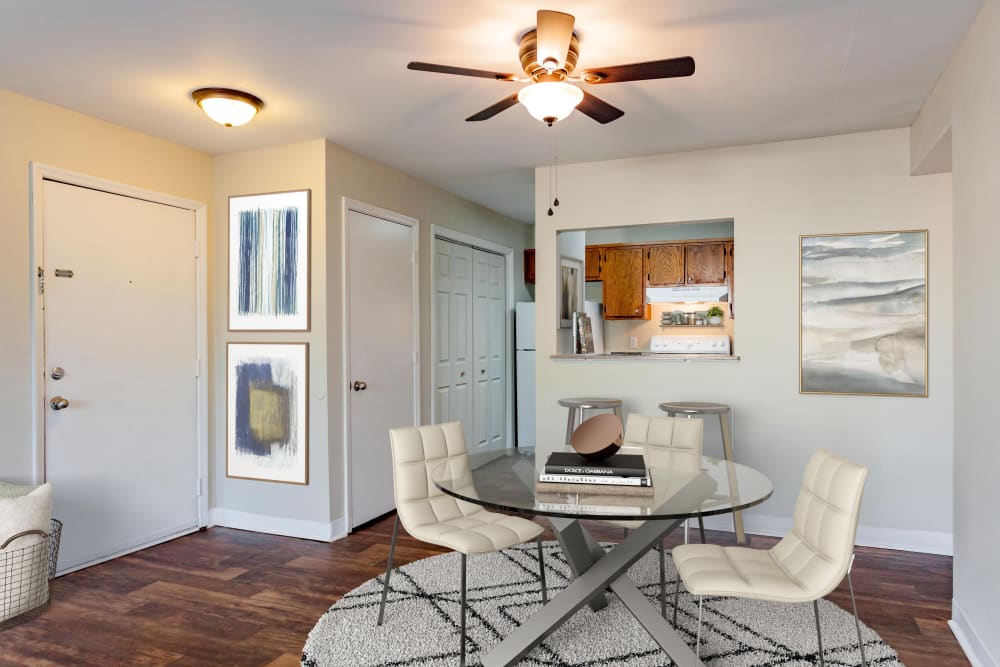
555	139
550	130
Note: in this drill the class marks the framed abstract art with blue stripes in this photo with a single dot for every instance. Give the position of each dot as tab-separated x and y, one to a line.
269	262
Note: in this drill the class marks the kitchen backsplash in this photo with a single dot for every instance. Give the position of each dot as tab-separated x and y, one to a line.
618	332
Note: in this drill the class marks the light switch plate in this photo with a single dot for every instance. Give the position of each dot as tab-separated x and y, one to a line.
633	342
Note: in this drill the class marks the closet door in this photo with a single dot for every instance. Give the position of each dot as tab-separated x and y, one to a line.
453	333
490	350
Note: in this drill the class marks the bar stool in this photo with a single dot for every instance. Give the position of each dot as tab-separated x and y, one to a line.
674	408
577	406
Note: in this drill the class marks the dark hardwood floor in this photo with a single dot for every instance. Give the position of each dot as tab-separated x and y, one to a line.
230	597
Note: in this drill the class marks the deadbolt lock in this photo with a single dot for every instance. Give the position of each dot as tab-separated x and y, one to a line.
57	373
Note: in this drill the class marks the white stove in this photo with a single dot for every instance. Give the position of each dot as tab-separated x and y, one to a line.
680	344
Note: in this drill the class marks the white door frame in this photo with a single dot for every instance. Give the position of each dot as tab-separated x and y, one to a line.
40	172
348	204
439	232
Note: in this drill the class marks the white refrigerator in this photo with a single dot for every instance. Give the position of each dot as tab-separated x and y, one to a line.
524	359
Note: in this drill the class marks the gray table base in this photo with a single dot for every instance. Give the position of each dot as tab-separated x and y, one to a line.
594	570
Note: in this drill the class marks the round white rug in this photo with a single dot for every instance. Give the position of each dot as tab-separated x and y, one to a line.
422	620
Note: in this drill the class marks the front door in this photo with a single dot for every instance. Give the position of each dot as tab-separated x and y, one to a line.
120	355
382	354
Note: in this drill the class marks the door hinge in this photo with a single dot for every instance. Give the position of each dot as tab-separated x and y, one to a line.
197	487
41	280
197	367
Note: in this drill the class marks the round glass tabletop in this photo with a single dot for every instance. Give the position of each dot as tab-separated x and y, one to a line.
506	480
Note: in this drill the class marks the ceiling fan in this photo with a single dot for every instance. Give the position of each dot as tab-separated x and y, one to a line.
548	56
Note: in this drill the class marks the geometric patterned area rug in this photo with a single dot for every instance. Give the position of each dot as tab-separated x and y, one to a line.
422	620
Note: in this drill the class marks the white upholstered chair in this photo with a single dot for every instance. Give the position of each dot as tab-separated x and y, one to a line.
667	443
430	515
805	565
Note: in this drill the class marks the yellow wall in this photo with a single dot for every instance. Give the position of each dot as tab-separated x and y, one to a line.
31	130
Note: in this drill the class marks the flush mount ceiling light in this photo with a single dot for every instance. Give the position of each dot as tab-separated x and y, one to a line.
227	106
550	101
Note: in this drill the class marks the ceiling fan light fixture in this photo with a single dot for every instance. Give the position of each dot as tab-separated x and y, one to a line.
227	106
550	101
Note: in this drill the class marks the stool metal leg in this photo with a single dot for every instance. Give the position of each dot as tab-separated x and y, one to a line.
388	570
462	654
727	450
701	528
819	634
541	571
570	424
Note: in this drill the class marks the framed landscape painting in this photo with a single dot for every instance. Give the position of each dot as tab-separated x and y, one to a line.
269	262
570	290
267	412
864	314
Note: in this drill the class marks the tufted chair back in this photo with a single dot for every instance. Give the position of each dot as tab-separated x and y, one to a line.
817	553
669	442
417	454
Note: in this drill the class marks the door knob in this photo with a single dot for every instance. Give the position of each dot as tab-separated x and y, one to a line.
360	385
58	403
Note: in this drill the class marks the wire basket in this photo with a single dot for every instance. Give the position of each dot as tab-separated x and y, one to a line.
25	574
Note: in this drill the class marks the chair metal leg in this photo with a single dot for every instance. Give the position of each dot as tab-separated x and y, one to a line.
677	590
541	571
388	570
857	623
462	648
819	634
701	528
624	533
663	581
698	638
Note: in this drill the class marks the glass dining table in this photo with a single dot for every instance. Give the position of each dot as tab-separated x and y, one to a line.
505	480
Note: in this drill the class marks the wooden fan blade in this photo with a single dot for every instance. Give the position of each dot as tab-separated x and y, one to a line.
494	109
598	109
461	71
555	29
653	69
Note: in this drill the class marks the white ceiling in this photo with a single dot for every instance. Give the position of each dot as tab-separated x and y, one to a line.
766	70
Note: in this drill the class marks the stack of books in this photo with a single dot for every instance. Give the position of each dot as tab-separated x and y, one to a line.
619	474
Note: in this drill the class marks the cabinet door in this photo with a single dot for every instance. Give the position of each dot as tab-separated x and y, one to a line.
529	266
665	265
624	289
593	263
705	263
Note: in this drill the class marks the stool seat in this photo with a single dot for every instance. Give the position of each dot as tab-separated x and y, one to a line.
694	408
591	403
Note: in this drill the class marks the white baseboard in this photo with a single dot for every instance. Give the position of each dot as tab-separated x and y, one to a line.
275	525
922	541
968	639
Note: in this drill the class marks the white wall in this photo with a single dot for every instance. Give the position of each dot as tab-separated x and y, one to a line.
774	193
965	107
253	504
34	131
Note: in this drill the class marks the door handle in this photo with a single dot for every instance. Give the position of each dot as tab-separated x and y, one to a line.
58	403
360	385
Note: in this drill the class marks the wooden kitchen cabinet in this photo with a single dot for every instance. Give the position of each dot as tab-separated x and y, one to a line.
705	263
594	256
730	277
529	266
665	265
624	284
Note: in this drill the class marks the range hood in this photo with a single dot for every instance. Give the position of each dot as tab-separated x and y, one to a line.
688	294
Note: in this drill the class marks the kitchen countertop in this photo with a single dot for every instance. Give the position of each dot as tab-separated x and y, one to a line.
646	356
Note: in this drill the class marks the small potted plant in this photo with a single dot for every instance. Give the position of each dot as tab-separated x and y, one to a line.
714	315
